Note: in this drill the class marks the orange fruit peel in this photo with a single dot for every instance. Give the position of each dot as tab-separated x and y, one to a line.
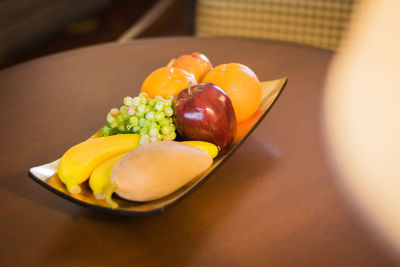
196	63
241	85
167	82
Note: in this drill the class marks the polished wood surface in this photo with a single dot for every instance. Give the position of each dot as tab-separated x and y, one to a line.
275	202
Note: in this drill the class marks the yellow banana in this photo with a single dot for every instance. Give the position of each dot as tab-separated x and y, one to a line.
79	161
207	147
100	177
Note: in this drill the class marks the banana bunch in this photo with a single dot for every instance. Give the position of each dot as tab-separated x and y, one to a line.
77	164
95	158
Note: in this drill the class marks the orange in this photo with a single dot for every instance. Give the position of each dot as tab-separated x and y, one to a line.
241	85
196	63
167	81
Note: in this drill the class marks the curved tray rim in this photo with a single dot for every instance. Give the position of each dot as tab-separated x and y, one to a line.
180	193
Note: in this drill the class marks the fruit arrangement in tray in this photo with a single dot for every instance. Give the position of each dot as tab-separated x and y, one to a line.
186	112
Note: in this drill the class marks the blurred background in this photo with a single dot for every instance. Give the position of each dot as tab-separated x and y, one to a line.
34	28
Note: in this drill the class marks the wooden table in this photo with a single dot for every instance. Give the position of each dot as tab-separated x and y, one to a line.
275	202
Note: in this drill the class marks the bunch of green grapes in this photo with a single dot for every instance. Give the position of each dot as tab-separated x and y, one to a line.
151	118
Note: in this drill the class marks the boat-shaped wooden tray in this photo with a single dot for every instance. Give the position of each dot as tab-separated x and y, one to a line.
46	175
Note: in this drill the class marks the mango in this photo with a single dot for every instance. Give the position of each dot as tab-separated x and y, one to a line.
156	170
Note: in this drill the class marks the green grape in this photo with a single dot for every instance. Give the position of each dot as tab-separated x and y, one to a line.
154	139
134	121
159	106
143	100
166	121
166	129
143	94
141	108
167	103
142	122
170	137
153	132
128	101
106	130
151	118
139	114
124	115
154	125
160	136
109	118
136	101
113	124
117	122
123	109
121	127
151	102
136	129
168	111
150	115
159	116
131	110
147	109
114	112
119	119
144	139
163	121
143	131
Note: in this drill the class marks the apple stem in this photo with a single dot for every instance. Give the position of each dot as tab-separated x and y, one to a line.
190	89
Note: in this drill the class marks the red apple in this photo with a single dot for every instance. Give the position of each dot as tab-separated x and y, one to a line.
204	112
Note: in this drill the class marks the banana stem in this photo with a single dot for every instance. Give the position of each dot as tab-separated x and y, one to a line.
108	191
73	188
98	195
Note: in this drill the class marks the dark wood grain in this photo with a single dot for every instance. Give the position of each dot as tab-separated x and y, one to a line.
276	202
